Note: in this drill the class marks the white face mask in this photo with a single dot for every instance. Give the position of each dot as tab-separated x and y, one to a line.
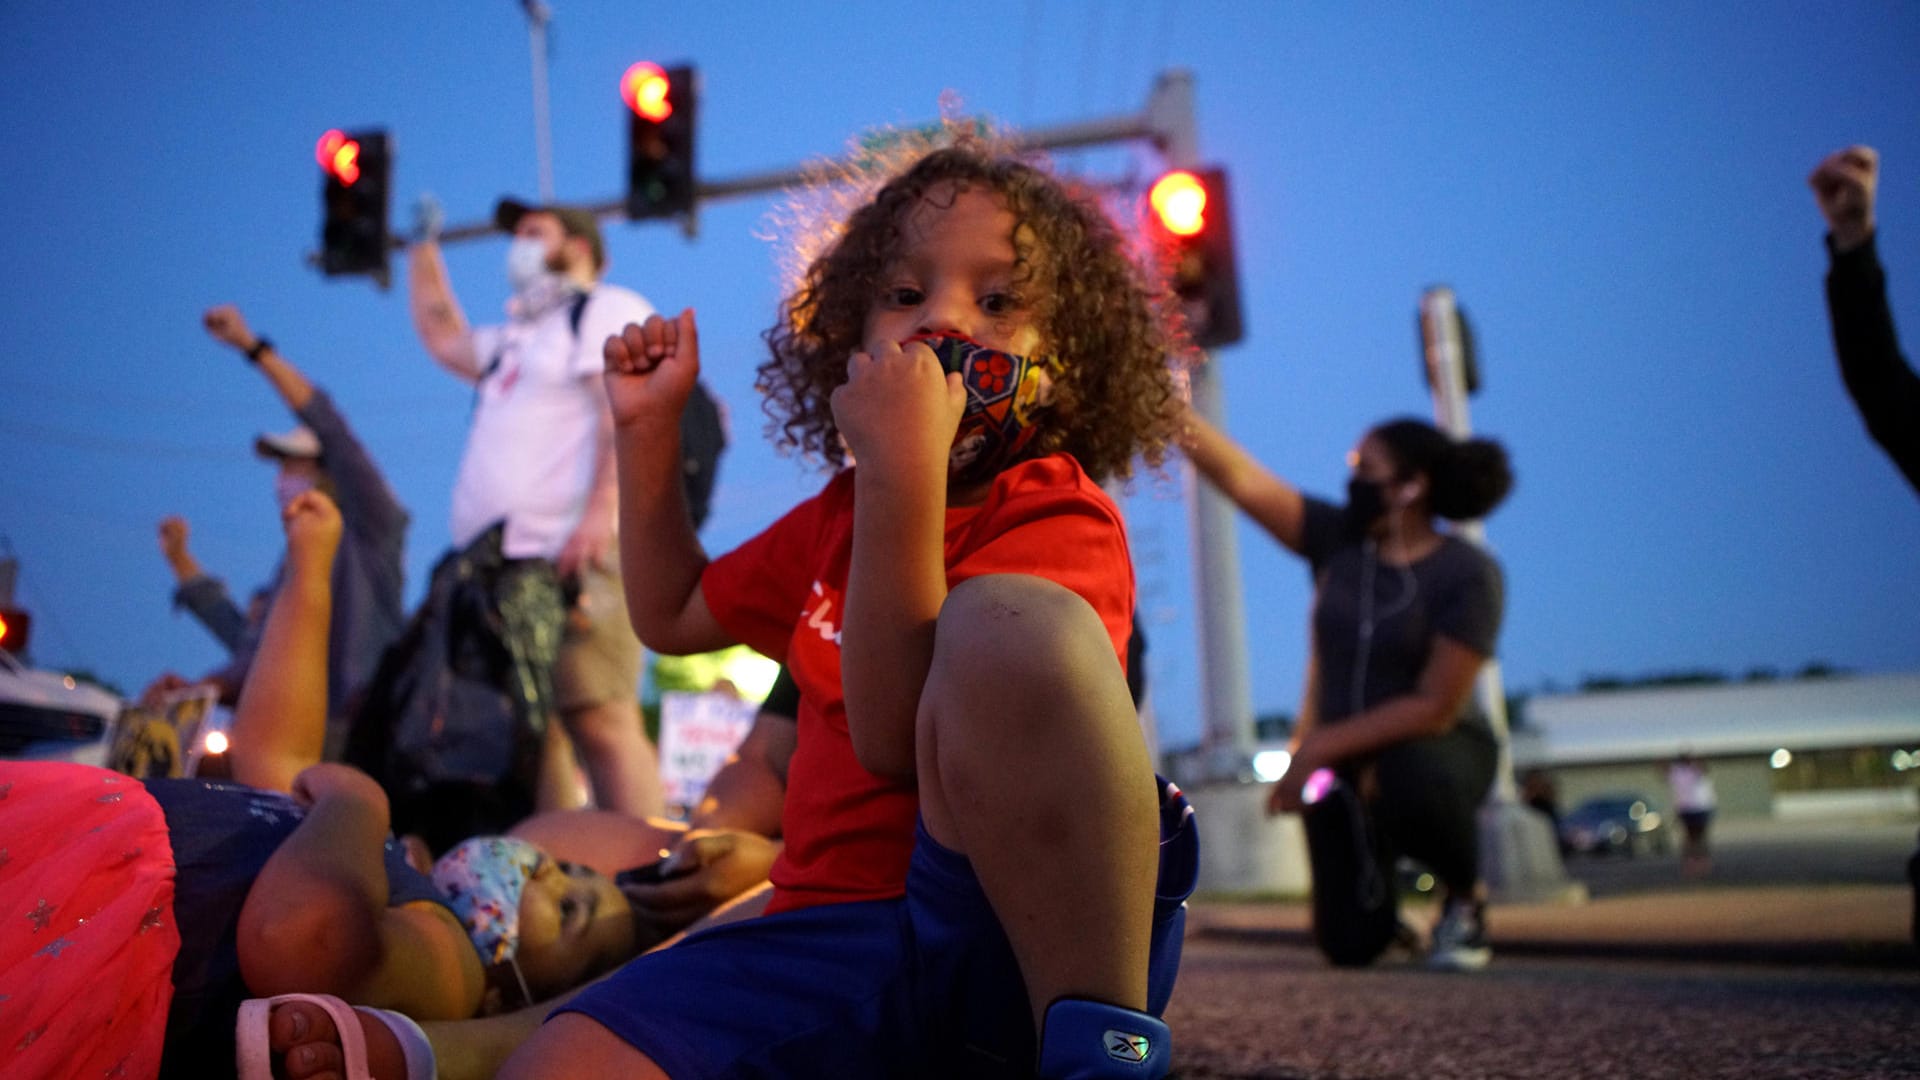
290	486
527	263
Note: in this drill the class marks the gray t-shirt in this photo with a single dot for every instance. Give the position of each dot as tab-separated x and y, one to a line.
1374	623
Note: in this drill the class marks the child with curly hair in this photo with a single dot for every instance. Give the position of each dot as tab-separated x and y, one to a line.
955	609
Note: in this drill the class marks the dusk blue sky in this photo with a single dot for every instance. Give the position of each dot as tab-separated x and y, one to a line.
1616	192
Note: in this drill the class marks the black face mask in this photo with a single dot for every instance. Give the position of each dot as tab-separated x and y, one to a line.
1366	501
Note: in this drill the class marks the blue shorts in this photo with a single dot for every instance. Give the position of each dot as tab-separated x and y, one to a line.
922	986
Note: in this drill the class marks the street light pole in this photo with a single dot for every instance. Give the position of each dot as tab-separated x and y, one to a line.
537	18
1519	855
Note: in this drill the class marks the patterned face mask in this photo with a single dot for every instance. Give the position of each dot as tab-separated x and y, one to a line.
1005	395
482	879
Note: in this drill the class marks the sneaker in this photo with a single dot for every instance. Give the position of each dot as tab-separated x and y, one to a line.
1460	938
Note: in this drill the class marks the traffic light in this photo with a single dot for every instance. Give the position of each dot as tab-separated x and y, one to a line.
660	174
354	172
15	627
1190	222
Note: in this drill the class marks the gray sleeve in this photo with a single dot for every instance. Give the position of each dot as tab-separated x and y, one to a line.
1469	610
367	504
206	599
1321	532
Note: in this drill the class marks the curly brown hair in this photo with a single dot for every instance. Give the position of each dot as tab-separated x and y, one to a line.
1103	317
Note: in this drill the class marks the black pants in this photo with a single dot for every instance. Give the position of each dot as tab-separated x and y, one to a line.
1424	802
1428	802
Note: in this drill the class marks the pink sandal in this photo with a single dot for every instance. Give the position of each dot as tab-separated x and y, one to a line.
253	1046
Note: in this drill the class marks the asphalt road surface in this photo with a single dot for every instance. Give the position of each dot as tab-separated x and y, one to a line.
1275	1012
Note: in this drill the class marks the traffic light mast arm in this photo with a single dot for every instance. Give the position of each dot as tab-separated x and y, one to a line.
436	314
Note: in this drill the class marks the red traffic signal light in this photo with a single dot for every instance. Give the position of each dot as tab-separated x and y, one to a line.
355	168
1193	230
339	157
647	91
1179	202
660	174
14	627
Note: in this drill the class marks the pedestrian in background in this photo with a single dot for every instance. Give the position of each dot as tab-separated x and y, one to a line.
1404	616
1694	800
322	453
538	463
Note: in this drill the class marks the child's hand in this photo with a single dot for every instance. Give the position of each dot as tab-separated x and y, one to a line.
312	523
898	410
328	780
651	368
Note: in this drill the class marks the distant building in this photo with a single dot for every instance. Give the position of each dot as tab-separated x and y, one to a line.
1790	747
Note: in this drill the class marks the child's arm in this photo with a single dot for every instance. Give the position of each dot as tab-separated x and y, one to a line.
280	723
898	413
651	370
317	920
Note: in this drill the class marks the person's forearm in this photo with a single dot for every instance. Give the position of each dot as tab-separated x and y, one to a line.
279	724
1398	720
1260	493
436	314
896	583
660	556
288	382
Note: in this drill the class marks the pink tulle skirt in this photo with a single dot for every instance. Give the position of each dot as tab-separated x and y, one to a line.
87	935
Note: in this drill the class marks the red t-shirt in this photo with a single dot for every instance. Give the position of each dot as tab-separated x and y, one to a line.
849	833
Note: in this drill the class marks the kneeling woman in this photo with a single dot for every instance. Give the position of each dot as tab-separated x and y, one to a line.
1404	615
136	917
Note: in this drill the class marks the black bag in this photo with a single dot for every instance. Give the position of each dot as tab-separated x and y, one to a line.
1355	911
451	723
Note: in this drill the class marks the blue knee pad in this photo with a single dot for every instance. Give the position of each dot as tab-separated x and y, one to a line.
1089	1040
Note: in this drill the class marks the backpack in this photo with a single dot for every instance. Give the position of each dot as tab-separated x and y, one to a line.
1355	911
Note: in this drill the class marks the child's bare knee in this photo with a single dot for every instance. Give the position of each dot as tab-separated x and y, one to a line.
1016	613
1021	635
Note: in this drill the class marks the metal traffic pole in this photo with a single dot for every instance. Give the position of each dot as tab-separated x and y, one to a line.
1520	857
537	18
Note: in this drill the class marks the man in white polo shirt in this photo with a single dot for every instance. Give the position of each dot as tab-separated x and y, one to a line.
539	457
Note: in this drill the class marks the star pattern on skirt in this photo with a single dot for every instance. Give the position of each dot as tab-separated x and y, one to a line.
151	920
119	1068
5	789
41	915
5	856
111	797
31	1037
55	947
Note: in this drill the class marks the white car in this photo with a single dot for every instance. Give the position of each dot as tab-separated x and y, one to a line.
48	716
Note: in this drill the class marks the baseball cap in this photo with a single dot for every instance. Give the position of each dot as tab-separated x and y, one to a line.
575	221
301	442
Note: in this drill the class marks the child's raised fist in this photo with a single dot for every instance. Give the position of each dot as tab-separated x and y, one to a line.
652	367
312	523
